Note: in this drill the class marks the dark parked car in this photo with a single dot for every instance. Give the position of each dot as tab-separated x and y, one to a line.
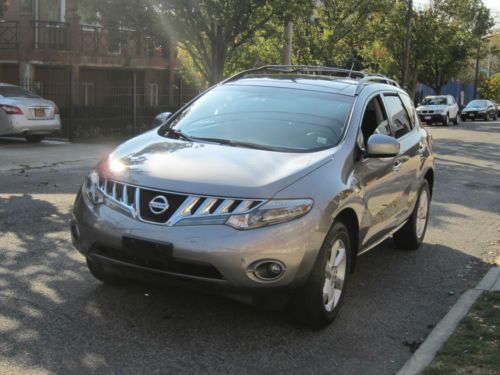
479	109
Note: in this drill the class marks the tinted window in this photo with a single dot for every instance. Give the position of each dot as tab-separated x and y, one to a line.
16	92
477	104
409	108
400	121
277	118
434	100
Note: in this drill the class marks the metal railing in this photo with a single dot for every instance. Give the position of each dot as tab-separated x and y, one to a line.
123	42
50	35
8	34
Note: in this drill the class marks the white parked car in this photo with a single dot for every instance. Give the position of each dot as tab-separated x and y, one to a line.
440	108
25	113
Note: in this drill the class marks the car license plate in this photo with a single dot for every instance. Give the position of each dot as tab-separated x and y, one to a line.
427	117
147	249
471	114
39	112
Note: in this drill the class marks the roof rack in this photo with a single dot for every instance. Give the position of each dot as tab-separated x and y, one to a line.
364	78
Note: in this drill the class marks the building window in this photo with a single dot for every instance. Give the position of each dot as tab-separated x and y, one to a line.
27	6
153	94
88	94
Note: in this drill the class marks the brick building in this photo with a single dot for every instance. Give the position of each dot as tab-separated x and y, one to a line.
46	45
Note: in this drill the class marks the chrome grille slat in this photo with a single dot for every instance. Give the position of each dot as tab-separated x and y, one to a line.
207	209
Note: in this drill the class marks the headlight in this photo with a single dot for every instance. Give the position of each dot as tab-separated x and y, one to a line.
90	188
272	212
440	110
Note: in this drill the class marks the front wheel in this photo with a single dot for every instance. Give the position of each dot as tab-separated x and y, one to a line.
446	121
455	120
412	234
317	303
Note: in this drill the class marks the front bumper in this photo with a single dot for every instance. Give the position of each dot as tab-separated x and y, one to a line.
223	254
473	115
430	118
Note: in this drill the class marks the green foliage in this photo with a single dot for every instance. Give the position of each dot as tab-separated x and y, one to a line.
489	88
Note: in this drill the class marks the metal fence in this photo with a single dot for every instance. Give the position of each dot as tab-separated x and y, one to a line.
117	109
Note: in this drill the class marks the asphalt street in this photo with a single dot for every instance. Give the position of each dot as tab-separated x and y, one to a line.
56	318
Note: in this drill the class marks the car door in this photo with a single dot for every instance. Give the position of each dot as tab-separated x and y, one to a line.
402	118
378	177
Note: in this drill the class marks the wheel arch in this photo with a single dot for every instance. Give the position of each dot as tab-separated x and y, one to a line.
350	219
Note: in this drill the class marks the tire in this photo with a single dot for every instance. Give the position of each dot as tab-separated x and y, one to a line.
34	138
100	274
446	121
308	305
455	120
412	234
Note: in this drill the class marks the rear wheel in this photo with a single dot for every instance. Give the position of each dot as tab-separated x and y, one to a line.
455	120
34	138
317	303
100	274
412	234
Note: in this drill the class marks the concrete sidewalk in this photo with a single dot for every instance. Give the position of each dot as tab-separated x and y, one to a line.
445	328
17	154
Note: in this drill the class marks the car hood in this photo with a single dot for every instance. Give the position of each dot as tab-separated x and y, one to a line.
153	161
474	109
433	107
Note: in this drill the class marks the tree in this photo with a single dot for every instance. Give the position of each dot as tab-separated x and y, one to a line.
489	88
211	31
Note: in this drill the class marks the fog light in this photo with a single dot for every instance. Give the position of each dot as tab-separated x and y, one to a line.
268	270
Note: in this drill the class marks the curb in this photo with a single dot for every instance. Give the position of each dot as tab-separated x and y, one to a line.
445	328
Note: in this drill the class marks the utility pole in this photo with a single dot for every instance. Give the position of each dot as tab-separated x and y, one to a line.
286	53
406	55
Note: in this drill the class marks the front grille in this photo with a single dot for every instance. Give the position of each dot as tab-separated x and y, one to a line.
172	265
174	208
428	111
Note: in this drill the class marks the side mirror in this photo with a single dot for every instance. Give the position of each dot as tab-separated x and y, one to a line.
161	118
382	146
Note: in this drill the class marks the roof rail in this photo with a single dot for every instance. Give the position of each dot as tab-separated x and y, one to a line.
364	78
374	78
297	69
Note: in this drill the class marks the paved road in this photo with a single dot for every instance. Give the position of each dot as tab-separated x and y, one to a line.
55	318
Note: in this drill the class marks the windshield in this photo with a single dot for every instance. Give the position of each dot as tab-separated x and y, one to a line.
477	104
436	100
280	119
16	92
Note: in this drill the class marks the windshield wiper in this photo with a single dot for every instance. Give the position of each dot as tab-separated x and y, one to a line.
178	134
229	142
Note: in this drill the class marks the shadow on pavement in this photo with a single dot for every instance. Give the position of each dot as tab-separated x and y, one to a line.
55	317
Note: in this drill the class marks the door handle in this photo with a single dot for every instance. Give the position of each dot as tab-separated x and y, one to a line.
397	165
421	148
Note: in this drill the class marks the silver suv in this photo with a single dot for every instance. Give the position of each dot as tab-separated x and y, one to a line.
266	187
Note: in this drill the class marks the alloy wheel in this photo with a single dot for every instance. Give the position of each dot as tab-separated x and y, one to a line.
335	273
422	211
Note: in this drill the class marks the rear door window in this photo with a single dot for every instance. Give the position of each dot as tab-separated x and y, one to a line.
400	120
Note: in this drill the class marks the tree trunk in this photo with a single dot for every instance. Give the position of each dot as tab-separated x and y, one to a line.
286	53
219	54
476	75
406	55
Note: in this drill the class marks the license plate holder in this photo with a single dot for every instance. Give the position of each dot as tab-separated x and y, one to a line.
471	115
161	251
39	112
427	117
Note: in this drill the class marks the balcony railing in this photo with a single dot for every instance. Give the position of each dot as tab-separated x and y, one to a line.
8	34
50	35
124	42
